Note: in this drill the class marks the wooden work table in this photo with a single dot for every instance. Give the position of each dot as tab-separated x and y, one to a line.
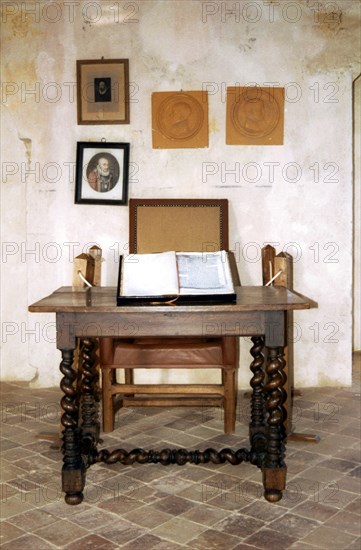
259	313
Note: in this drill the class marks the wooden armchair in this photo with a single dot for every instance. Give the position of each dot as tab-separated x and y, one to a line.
157	226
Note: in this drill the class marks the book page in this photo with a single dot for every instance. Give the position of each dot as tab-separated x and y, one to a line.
150	275
204	273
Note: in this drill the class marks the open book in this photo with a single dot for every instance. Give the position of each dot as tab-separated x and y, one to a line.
185	276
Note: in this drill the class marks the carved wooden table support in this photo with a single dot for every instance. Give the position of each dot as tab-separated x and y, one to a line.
88	385
73	472
267	433
257	427
175	456
274	470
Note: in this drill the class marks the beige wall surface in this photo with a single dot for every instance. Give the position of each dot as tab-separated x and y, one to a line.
298	196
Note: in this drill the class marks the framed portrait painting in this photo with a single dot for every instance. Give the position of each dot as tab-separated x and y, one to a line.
102	173
103	91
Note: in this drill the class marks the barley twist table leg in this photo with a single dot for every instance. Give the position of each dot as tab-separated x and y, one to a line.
88	406
257	427
274	470
73	472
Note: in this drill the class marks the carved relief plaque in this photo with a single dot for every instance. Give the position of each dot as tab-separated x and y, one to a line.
254	115
179	119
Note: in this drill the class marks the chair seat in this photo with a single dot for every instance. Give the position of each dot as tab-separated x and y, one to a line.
171	353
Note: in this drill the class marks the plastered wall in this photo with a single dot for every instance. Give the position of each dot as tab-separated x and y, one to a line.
297	196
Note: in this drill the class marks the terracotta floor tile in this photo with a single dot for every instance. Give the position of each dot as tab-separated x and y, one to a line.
293	524
178	530
262	510
189	472
61	533
244	471
355	545
197	492
214	540
14	506
203	432
334	496
223	482
147	516
148	472
28	541
270	540
229	501
146	542
346	521
353	454
7	444
12	450
8	471
338	464
33	519
119	504
170	484
8	532
93	518
315	510
92	542
174	505
244	546
354	506
61	510
348	483
95	494
293	495
327	537
311	488
318	474
301	545
206	515
7	491
356	472
239	525
121	531
205	506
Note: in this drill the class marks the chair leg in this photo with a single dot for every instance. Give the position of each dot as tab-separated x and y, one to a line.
230	402
108	377
129	379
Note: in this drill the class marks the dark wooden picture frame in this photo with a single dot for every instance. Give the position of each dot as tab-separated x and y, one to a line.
103	91
102	173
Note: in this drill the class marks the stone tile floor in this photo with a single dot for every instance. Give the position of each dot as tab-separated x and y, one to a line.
209	507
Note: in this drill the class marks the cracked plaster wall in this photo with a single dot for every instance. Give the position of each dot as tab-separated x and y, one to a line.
188	45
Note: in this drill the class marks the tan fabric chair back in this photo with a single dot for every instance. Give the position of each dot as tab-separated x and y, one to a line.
187	225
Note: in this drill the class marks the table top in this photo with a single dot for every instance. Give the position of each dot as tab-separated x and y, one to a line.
103	300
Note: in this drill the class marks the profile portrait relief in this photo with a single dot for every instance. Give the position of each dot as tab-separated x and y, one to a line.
252	118
103	172
180	119
255	116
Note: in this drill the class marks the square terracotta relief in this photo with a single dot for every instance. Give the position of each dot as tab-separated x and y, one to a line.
255	115
179	120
